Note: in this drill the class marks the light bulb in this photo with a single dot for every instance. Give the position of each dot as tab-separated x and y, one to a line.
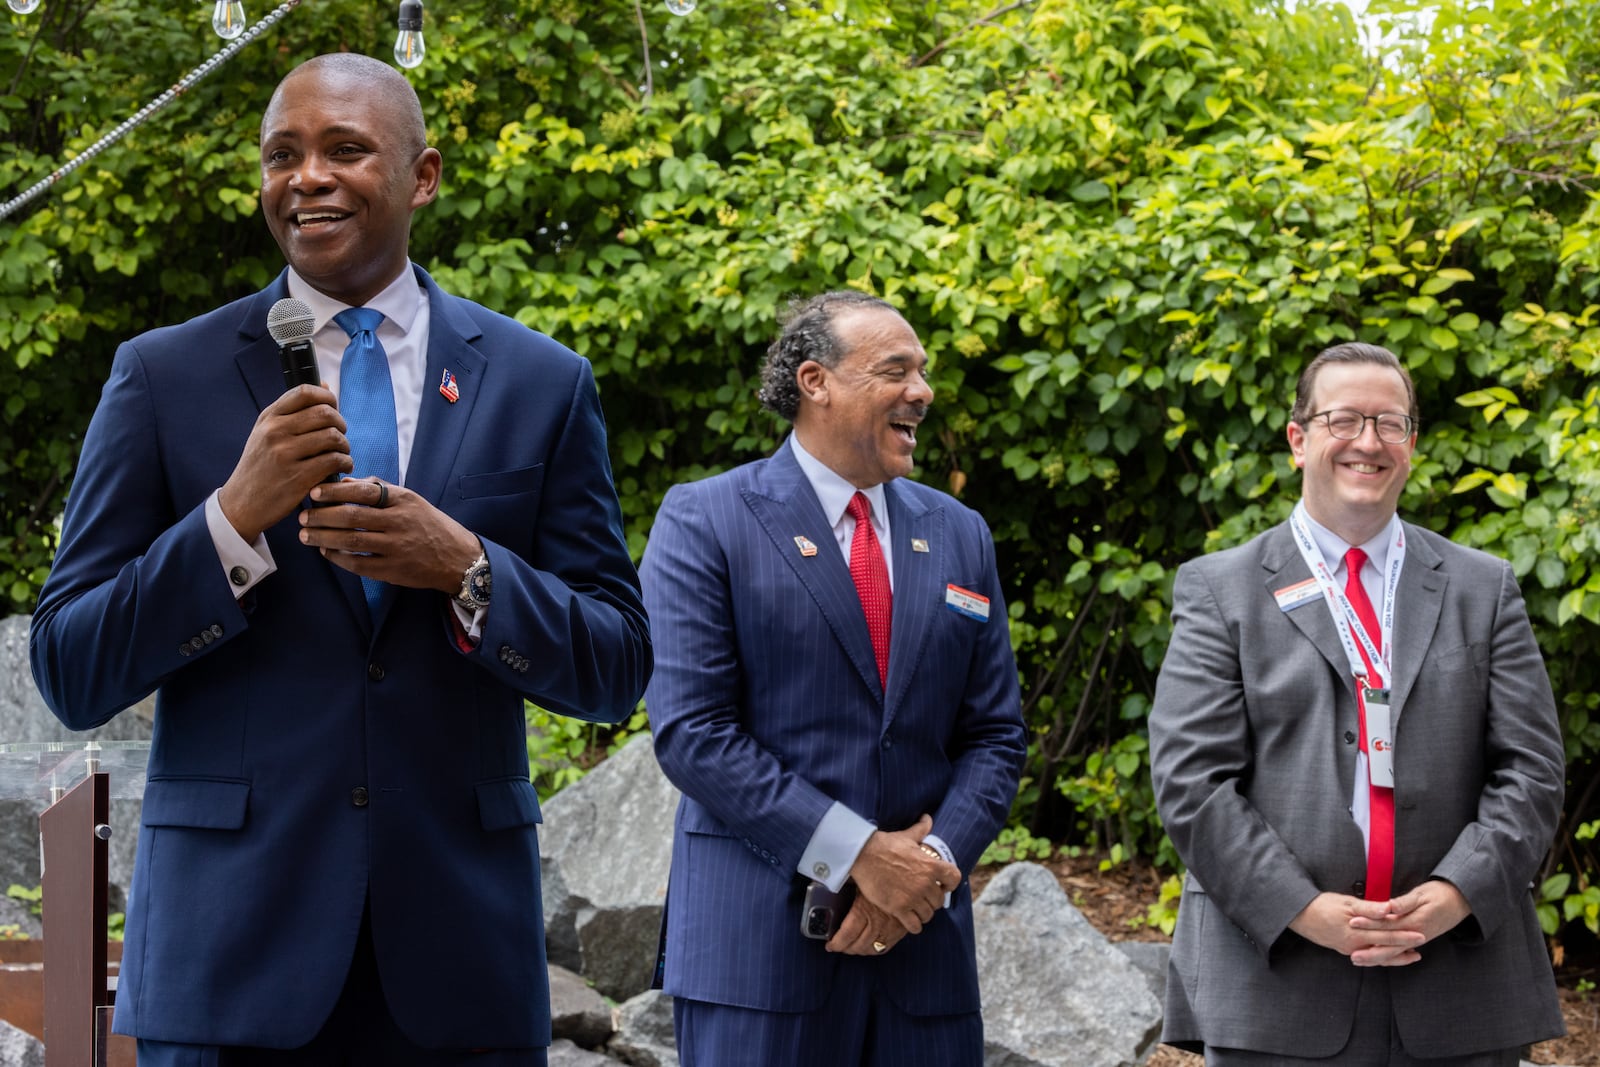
681	7
23	7
227	18
408	46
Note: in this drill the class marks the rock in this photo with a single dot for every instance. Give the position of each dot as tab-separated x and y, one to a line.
577	1012
24	718
18	1048
606	847
564	1053
644	1031
1151	958
1055	992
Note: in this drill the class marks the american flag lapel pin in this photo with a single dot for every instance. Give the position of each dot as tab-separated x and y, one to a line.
448	388
807	548
918	545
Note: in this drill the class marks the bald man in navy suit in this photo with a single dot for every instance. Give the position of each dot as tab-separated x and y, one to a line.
339	755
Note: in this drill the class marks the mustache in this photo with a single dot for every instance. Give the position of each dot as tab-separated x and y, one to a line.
914	413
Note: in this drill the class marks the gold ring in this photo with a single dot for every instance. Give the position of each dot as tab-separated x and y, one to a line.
879	946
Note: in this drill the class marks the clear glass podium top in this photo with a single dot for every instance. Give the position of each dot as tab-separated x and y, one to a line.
44	770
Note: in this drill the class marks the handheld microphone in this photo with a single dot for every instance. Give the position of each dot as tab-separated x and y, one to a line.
291	322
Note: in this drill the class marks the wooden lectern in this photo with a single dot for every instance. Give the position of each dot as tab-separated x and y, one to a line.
73	831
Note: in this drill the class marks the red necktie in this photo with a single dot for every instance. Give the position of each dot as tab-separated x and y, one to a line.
871	576
1380	813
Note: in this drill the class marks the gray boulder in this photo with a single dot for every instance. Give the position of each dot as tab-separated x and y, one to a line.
606	847
644	1032
577	1012
18	1048
564	1053
1151	958
1055	992
24	718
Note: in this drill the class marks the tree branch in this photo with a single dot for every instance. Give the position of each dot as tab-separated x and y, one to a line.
981	20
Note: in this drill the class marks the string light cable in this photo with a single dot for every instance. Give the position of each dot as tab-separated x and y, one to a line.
145	113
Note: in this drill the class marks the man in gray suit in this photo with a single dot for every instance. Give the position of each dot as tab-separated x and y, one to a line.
1360	844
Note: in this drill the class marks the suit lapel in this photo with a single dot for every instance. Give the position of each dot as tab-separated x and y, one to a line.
1420	598
917	588
1285	567
442	425
786	507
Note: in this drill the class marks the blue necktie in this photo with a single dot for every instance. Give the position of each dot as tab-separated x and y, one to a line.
366	398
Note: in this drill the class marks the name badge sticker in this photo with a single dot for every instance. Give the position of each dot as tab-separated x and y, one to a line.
966	602
1293	596
1380	738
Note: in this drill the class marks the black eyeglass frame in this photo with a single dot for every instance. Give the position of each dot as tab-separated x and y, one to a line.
1411	424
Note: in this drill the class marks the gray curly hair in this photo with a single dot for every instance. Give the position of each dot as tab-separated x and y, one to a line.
807	335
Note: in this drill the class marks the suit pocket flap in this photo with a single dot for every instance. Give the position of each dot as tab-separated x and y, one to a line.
508	802
502	483
203	803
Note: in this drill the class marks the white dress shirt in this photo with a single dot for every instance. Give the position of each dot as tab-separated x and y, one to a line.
842	833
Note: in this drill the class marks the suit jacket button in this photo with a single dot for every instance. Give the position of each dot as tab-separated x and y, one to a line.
238	576
1349	737
375	672
1358	889
888	741
358	796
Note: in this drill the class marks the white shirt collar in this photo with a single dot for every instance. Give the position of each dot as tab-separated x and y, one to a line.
398	301
834	492
1333	547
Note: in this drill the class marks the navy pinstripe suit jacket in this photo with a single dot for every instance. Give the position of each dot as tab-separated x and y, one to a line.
767	708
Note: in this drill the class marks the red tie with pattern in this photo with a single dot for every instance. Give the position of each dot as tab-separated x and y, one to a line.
871	576
1380	813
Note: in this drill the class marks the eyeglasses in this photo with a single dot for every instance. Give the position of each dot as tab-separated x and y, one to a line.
1347	425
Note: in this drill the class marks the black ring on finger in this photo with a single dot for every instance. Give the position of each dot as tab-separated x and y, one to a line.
383	496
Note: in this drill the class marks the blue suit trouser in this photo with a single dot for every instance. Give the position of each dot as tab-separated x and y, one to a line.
857	1026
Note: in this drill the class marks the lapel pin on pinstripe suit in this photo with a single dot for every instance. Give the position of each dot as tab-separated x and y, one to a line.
918	545
807	548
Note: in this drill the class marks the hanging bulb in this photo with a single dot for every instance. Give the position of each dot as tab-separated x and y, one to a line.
23	7
681	7
408	46
227	18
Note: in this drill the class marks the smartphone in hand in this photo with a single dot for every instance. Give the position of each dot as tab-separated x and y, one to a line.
824	909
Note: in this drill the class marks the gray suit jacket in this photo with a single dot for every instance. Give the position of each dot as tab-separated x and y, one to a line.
1253	749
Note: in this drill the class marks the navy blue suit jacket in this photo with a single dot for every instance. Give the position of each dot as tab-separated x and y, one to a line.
306	756
766	708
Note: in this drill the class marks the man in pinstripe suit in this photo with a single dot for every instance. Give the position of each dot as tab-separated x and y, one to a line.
838	702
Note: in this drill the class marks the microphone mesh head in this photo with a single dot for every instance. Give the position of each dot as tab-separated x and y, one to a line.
290	320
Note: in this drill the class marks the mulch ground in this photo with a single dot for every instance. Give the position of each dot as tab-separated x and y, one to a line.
1116	902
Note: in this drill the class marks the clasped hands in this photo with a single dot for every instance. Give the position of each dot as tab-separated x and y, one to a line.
900	885
1382	933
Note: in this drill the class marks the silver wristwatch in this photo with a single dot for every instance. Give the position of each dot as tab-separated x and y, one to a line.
474	594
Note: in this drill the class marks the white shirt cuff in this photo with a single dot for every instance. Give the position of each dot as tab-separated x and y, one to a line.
471	621
936	843
834	846
244	563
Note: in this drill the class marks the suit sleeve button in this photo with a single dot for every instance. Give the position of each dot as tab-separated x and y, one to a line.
1349	737
375	671
185	650
238	576
358	796
216	629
